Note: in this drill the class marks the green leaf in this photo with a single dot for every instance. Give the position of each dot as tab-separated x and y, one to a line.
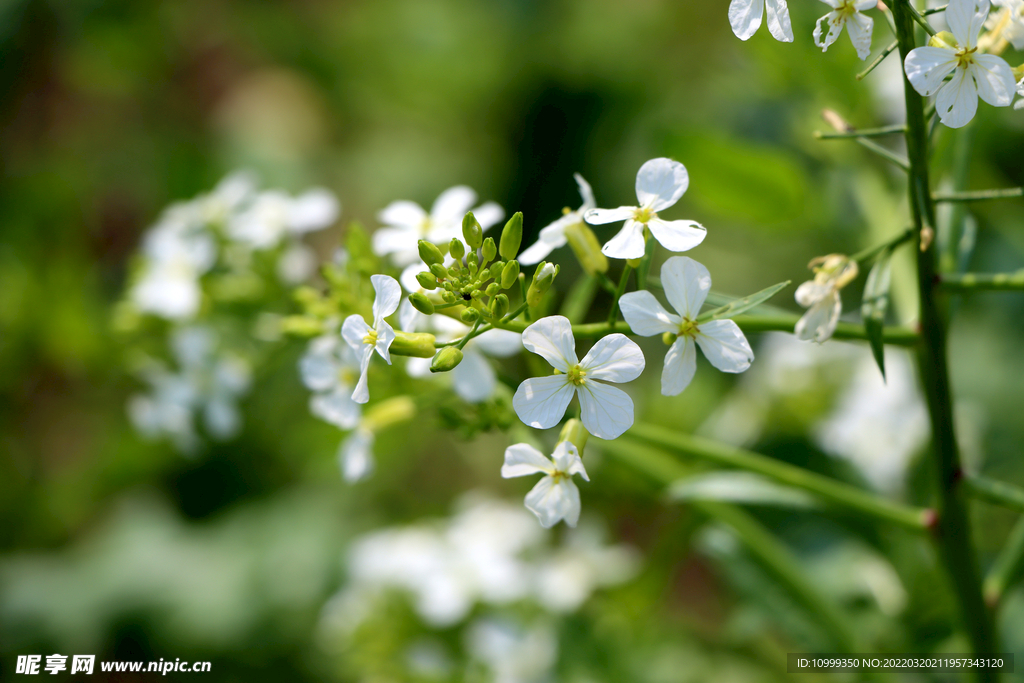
874	305
741	305
739	487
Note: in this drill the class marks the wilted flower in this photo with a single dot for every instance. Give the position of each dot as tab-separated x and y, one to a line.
745	18
555	497
821	296
847	13
364	339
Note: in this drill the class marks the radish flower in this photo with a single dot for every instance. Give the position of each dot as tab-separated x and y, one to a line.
555	497
364	339
745	18
846	13
553	236
821	296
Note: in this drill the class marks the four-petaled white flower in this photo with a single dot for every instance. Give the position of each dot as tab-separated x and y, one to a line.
821	296
1008	23
659	184
406	223
686	284
606	412
364	339
329	368
745	18
553	236
974	75
847	13
555	497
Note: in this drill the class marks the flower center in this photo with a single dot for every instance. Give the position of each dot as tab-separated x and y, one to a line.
370	338
644	215
346	377
688	328
964	58
577	375
846	10
426	225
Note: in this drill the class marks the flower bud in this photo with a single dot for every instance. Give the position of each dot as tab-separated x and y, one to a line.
484	275
446	359
389	412
499	307
469	315
429	252
542	279
448	297
438	271
416	344
492	289
490	250
584	244
669	338
456	249
472	231
426	280
471	260
421	303
943	39
496	269
511	237
509	274
575	433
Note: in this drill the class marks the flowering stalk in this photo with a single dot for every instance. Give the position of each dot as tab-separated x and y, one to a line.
952	531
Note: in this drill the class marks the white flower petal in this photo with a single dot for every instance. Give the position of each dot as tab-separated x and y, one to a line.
834	22
614	358
745	17
585	192
602	216
778	20
820	320
410	283
680	367
660	183
860	28
551	339
927	67
356	456
337	408
628	243
385	335
523	459
488	215
552	502
452	204
408	317
550	238
606	411
361	394
315	209
677	235
811	292
389	294
957	101
965	19
725	346
567	459
686	284
473	379
498	343
354	331
403	214
994	78
540	402
646	316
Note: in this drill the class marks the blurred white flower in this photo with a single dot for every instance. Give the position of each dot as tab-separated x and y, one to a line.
364	339
176	253
553	236
1020	92
1008	21
355	455
847	13
330	369
659	184
606	412
569	576
406	223
274	215
821	296
555	497
974	75
686	284
745	18
513	654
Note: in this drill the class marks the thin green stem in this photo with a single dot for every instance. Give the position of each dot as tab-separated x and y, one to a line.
966	282
472	333
1007	568
979	195
878	60
916	16
871	252
997	492
830	490
862	133
934	10
619	291
773	555
887	154
953	531
606	282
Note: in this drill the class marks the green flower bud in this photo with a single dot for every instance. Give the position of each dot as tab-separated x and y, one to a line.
471	260
669	338
389	412
426	280
511	237
456	249
495	270
453	271
542	279
416	344
575	433
301	326
429	252
584	244
492	289
490	250
469	315
449	297
484	275
943	39
633	263
446	359
509	274
472	231
421	303
438	271
499	307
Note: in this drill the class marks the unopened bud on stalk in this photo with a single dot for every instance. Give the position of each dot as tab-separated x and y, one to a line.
490	250
943	39
457	249
446	359
509	274
415	344
469	315
492	289
542	279
511	237
472	231
429	252
421	303
575	433
388	412
438	271
426	280
499	307
584	244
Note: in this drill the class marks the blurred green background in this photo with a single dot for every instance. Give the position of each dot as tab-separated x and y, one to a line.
110	110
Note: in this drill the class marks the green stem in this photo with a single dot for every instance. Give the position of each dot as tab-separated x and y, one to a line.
775	557
862	132
979	195
916	16
878	60
871	252
884	153
623	281
1007	567
997	492
952	533
934	10
917	519
472	333
966	282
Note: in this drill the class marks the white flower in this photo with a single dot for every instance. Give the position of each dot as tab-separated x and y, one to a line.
1009	21
273	215
1020	91
847	13
555	497
553	236
659	184
364	339
974	75
513	653
566	579
821	296
330	369
686	284
355	455
406	223
606	412
745	18
177	252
